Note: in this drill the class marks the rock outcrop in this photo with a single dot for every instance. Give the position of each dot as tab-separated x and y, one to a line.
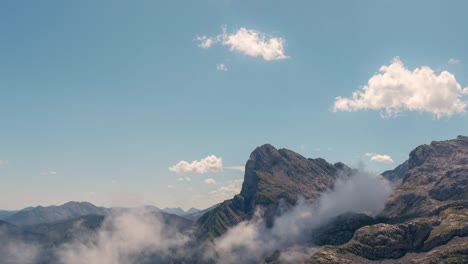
271	175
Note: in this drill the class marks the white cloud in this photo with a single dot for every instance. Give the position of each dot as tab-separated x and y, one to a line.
170	186
187	179
228	191
453	61
221	67
239	168
205	165
4	162
380	157
396	88
209	181
48	173
248	42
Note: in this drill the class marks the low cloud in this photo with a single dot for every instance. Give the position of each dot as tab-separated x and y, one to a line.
124	238
396	89
380	157
209	181
205	165
251	241
248	42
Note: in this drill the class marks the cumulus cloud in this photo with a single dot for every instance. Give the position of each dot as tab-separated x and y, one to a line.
221	67
396	88
238	168
248	42
453	61
251	241
209	181
380	157
205	165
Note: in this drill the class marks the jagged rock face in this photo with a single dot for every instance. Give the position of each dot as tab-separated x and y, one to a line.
398	173
437	174
271	175
427	213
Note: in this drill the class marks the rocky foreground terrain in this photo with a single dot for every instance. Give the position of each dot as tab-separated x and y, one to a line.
425	220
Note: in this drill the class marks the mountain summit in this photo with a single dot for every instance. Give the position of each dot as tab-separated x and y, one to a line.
271	175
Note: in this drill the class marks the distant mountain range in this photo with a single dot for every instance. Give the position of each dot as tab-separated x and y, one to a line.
425	220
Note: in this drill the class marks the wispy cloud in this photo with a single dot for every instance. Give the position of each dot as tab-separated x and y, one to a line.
383	158
221	67
48	173
227	191
453	61
187	179
248	42
209	181
238	168
396	88
209	164
4	162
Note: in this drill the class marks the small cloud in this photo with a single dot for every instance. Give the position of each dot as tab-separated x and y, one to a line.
380	157
453	61
248	42
170	186
205	165
209	181
228	191
239	168
221	67
4	162
48	173
396	88
187	179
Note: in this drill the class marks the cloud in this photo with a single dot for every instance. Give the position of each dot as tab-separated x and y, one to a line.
250	241
187	179
248	42
227	191
221	67
395	89
127	237
170	186
4	162
239	168
48	173
205	165
209	181
453	61
380	157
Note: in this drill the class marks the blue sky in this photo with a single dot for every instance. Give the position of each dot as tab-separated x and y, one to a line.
99	98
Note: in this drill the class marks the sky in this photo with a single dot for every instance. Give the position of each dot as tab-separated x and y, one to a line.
129	103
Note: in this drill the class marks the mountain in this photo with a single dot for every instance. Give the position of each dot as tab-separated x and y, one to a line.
426	216
5	213
271	176
48	214
194	216
179	211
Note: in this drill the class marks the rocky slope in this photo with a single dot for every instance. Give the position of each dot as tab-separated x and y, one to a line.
428	210
271	175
